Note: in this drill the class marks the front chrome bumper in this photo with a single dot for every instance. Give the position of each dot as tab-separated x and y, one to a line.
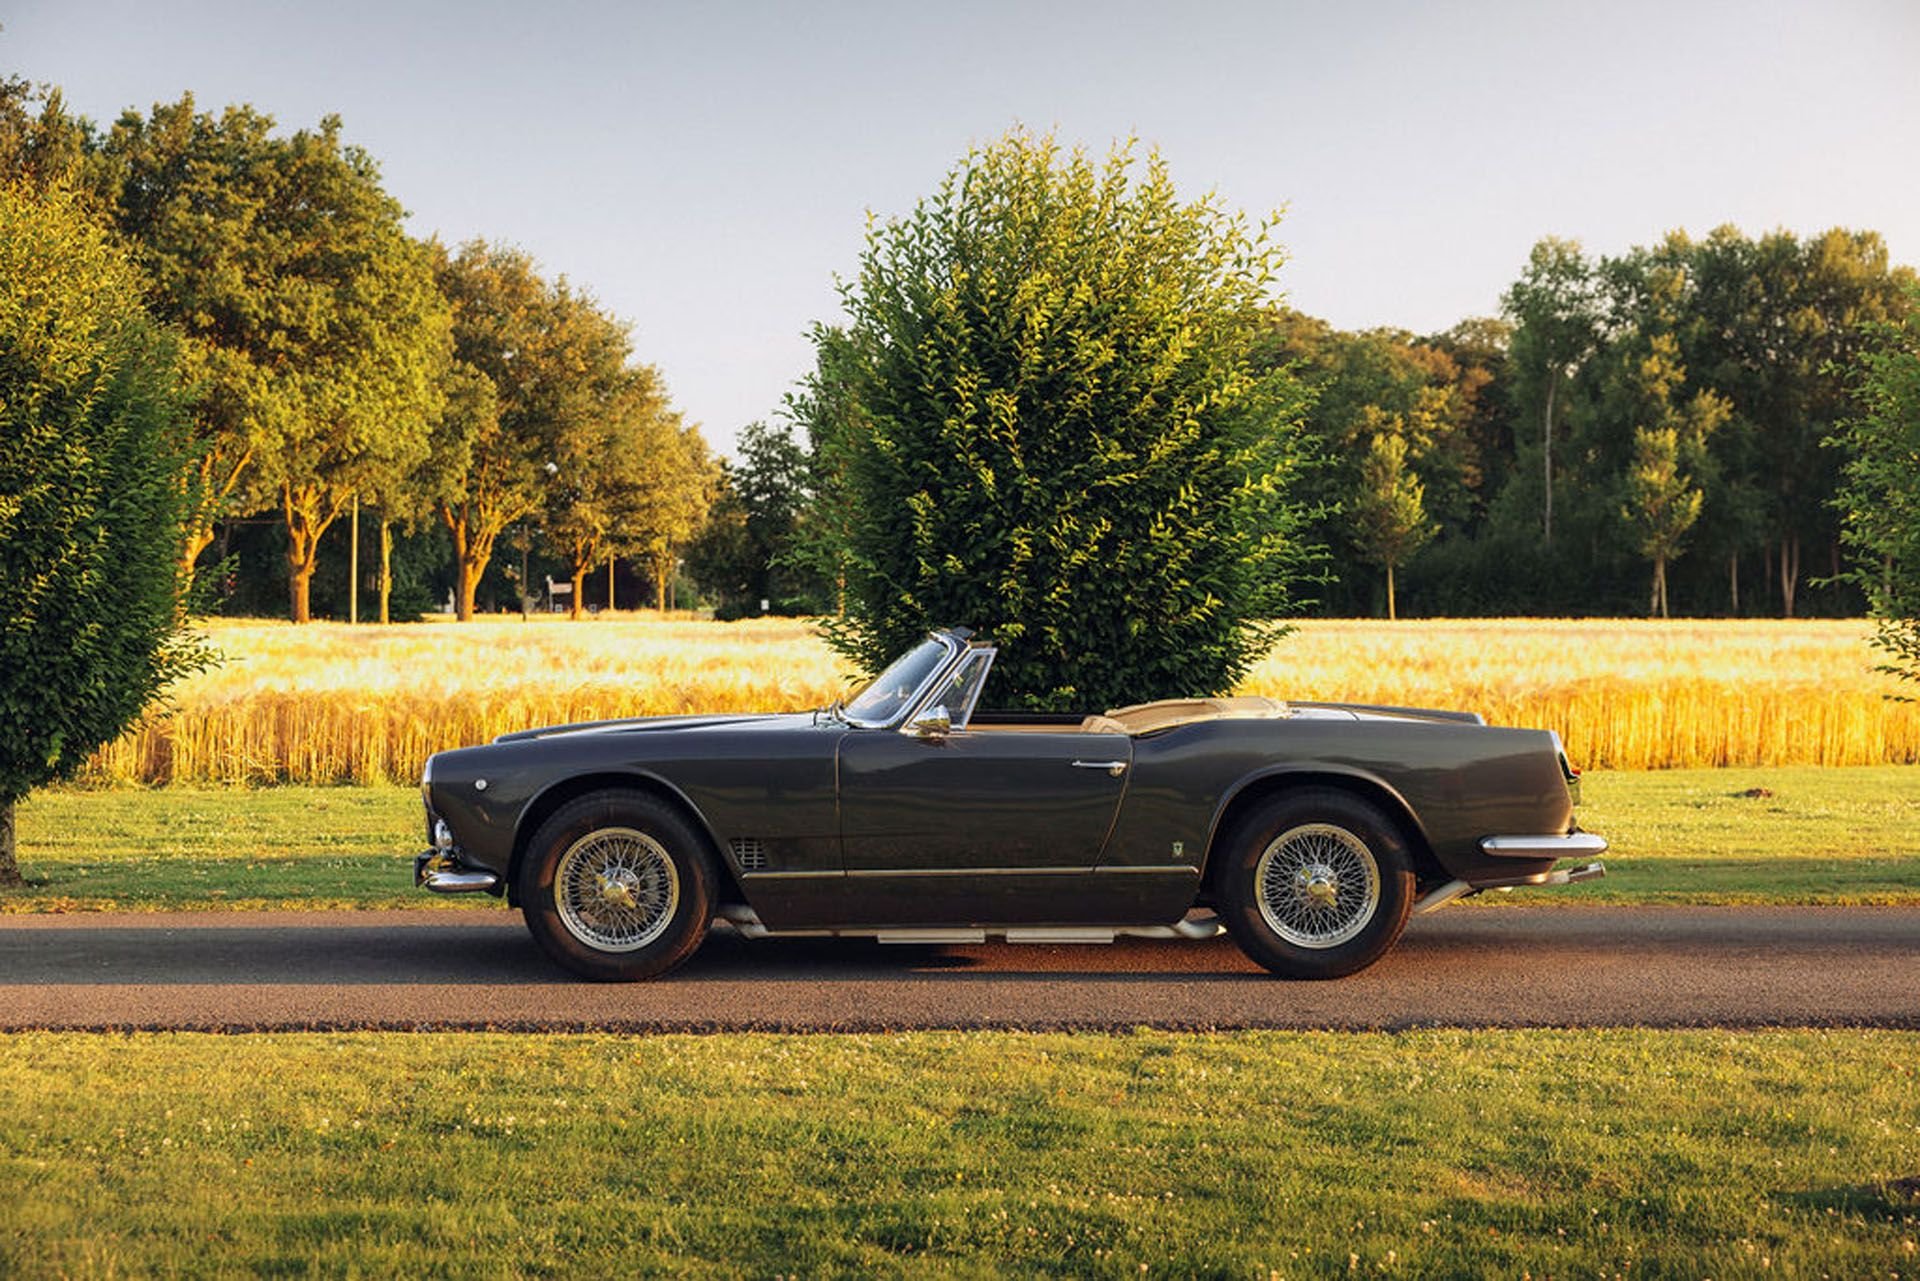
435	870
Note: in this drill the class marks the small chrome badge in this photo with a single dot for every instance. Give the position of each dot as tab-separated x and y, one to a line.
479	784
1179	849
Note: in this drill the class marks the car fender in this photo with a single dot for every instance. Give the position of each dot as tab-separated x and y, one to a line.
1307	773
563	789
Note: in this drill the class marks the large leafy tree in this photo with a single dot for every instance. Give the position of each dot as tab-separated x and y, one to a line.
1553	309
1045	417
372	335
745	553
1389	512
612	464
537	365
95	457
1880	499
668	511
1778	321
1431	394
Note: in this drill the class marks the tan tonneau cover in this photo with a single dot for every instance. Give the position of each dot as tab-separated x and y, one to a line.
1146	718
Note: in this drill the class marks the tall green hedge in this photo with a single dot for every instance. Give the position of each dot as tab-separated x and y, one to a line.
94	492
1044	420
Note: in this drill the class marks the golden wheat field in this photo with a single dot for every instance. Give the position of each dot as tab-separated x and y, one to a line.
332	703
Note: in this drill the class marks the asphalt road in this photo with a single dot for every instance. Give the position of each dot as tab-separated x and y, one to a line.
1465	967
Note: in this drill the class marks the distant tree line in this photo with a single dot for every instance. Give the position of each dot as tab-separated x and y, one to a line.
1659	432
1668	430
332	363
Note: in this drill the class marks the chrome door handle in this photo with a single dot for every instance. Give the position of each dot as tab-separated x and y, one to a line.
1115	768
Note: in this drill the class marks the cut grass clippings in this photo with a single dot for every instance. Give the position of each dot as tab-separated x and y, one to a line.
1550	1153
1817	836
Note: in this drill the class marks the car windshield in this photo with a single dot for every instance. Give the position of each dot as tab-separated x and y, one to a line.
886	696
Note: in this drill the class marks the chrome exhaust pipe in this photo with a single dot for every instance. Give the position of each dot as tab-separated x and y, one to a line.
1440	897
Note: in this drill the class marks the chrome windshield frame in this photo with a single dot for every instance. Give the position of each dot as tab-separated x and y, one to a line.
923	698
956	651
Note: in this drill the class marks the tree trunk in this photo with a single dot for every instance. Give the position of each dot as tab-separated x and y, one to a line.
386	569
353	566
465	584
471	552
199	538
1766	570
1733	580
611	560
1546	439
9	862
302	556
1789	573
660	583
299	588
1658	605
1391	616
579	592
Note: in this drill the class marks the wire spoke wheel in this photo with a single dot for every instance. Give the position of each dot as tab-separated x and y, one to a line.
616	889
1317	885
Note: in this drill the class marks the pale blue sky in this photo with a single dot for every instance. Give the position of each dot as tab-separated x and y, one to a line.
705	169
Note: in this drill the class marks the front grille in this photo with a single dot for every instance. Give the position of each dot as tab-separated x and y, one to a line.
750	854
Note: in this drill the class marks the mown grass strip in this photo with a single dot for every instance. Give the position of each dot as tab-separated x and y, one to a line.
1432	1153
1831	836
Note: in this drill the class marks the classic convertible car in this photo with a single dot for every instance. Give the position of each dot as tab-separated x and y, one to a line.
1307	831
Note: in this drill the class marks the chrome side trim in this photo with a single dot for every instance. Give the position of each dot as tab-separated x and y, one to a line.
1108	869
1171	869
1571	845
967	871
791	876
747	923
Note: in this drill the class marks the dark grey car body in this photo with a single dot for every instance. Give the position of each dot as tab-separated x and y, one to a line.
1013	820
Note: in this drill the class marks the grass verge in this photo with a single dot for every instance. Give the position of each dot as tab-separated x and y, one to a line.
1679	836
1431	1153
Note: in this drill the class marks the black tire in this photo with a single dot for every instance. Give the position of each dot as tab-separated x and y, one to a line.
641	886
1339	881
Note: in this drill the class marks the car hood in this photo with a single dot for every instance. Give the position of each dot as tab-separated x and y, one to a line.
657	724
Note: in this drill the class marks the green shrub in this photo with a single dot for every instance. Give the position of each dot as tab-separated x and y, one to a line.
1044	420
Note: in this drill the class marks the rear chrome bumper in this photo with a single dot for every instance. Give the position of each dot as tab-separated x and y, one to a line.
1571	845
1441	895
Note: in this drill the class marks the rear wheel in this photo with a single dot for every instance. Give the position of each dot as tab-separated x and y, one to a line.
1315	884
617	886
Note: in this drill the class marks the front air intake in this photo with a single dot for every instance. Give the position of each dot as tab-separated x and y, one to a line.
750	854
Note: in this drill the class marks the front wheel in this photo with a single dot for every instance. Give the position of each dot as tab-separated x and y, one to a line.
1315	884
617	886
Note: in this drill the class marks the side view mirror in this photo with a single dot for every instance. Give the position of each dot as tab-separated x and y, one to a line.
934	723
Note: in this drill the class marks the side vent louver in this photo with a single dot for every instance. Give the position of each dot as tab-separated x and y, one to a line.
750	854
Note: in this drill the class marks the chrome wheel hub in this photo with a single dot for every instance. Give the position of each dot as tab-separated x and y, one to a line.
616	889
1317	885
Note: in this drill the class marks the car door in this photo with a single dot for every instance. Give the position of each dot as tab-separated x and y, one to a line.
981	802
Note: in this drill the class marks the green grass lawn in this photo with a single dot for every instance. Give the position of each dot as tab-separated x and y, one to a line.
1682	836
1433	1153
